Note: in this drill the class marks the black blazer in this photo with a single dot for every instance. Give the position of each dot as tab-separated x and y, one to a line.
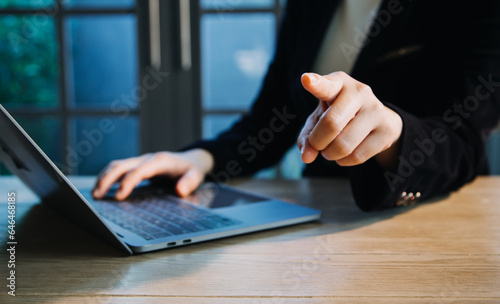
436	63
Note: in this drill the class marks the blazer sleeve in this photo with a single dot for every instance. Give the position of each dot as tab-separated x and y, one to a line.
440	153
261	137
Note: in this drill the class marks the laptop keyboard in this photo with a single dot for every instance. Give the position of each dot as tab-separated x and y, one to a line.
154	218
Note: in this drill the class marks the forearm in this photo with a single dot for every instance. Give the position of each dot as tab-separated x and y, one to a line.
202	158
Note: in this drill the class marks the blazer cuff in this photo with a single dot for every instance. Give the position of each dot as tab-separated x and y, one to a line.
375	188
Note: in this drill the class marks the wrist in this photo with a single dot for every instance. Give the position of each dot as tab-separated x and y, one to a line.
388	159
202	159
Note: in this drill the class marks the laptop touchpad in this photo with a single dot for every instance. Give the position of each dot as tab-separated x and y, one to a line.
211	195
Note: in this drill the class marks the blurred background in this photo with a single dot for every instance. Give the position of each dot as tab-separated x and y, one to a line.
96	80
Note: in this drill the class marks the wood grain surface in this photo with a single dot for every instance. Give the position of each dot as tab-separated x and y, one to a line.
444	251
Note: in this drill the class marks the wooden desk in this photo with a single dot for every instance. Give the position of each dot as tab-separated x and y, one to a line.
447	251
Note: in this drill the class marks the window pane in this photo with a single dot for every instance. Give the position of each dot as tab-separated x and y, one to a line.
29	67
228	5
235	53
98	140
215	123
103	60
46	131
101	3
32	4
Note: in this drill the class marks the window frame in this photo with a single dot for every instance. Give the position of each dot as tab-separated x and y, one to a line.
276	9
173	125
171	115
64	111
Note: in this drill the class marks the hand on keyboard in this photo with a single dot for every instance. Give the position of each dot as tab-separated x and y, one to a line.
189	168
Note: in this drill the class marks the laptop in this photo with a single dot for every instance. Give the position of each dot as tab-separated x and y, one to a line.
153	217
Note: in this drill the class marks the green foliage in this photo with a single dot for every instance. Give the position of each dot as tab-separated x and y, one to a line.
29	67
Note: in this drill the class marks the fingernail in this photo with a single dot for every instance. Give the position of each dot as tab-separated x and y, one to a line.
302	150
313	78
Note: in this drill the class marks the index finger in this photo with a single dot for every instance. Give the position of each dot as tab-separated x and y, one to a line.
325	88
111	174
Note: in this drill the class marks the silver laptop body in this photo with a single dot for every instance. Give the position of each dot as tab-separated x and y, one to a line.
152	220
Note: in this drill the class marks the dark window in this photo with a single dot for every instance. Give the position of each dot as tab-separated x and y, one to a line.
237	45
63	66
